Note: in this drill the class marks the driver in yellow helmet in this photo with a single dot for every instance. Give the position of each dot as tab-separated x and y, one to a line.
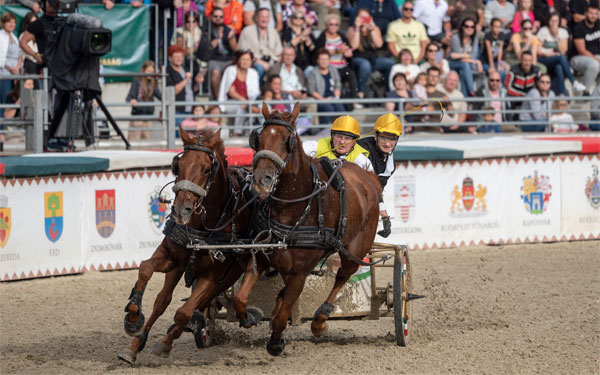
342	144
388	129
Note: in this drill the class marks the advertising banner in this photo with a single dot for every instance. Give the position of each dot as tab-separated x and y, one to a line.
580	178
124	219
40	227
447	204
64	225
130	36
61	225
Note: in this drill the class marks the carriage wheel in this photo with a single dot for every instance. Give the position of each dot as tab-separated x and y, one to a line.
205	336
402	288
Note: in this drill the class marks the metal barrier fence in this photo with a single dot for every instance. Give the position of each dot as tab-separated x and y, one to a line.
34	118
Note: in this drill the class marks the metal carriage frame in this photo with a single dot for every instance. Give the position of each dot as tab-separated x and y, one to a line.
389	300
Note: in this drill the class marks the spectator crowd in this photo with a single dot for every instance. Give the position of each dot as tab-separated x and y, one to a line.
326	49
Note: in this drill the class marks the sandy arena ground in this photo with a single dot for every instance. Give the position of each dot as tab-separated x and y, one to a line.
489	310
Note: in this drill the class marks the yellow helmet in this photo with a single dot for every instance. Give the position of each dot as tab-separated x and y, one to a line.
388	123
346	124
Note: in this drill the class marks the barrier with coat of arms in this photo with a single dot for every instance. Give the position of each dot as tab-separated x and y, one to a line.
71	224
494	201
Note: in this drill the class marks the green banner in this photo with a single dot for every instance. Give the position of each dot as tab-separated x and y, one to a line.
130	31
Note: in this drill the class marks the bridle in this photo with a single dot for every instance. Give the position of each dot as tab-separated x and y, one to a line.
280	164
187	185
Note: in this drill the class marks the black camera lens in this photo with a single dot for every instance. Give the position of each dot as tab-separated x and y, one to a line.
99	42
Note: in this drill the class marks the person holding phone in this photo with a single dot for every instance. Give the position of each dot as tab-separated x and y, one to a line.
298	35
365	39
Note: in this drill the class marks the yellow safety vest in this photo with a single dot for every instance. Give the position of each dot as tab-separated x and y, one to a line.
324	149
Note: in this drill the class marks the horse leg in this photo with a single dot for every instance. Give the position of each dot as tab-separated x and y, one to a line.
278	303
319	323
293	287
203	292
159	262
248	317
163	299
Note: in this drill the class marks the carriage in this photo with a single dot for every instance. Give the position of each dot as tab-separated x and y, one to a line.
302	220
363	297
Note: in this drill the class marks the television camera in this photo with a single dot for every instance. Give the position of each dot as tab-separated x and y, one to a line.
73	52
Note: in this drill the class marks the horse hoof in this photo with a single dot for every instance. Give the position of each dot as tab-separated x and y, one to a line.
276	348
161	350
319	328
128	356
135	328
253	317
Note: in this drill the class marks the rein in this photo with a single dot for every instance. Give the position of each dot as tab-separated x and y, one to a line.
319	186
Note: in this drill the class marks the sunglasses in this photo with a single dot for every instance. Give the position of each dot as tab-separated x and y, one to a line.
217	17
494	80
408	9
333	24
188	21
546	82
469	26
528	28
298	17
432	50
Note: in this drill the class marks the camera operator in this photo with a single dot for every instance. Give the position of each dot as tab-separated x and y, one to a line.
38	31
264	42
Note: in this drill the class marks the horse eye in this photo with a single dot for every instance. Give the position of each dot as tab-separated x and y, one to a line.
206	171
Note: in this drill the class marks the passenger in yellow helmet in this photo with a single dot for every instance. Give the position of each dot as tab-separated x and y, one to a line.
342	144
388	129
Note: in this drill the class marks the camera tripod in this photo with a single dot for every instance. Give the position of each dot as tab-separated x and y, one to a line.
111	120
79	115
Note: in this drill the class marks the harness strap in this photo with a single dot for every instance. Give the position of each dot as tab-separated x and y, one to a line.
318	188
271	156
185	185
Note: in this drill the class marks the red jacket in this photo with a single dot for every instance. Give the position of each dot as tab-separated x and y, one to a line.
518	83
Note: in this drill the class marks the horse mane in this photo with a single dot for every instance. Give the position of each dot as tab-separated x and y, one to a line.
211	139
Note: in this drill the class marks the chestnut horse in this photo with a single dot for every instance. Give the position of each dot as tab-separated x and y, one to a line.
206	197
282	171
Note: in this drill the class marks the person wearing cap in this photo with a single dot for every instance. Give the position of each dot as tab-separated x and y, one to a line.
342	144
388	129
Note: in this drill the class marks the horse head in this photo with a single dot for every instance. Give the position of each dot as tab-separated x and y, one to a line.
196	168
275	146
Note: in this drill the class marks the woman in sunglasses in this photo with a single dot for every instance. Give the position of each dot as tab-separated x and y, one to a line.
464	49
524	40
299	35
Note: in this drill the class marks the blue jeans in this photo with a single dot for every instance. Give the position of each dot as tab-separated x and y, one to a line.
329	107
466	76
489	129
533	128
6	85
261	72
561	68
595	127
363	69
